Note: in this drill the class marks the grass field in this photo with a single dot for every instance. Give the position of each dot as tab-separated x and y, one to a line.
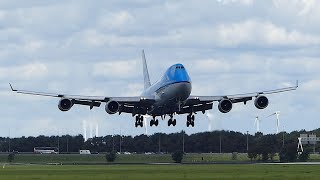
133	158
154	172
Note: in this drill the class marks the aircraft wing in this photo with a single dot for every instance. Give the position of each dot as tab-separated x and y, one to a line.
204	101
127	103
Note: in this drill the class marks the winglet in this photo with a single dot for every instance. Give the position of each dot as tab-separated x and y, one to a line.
12	87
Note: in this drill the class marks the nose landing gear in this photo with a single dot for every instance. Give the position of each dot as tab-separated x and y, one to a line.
172	121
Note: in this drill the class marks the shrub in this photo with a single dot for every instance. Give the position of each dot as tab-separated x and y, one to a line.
111	157
11	157
288	153
252	155
265	156
234	156
304	156
177	156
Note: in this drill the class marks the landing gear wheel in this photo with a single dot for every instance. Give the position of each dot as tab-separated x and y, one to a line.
174	122
156	122
169	122
139	121
190	120
152	122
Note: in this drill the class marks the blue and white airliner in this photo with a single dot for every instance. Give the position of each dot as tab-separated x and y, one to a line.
168	96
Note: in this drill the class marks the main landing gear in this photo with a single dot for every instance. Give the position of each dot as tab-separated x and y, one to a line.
139	121
154	122
190	120
172	121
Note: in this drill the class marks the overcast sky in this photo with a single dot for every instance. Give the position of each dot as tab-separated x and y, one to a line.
94	48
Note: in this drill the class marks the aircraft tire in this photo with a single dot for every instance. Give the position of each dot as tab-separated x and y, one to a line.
174	122
156	122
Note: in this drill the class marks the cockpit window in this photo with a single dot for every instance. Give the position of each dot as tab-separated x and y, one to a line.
179	67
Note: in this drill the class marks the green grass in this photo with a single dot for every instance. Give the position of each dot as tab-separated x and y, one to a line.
155	172
133	158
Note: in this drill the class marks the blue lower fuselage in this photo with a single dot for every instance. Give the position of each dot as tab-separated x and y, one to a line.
171	91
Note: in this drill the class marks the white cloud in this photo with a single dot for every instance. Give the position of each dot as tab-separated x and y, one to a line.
115	69
299	7
25	72
253	32
115	20
311	86
244	2
230	46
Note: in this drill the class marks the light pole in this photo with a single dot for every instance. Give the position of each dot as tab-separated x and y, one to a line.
9	141
67	144
283	139
120	140
159	143
247	141
220	142
112	140
183	141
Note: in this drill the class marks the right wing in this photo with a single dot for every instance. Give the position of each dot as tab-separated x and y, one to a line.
203	103
133	105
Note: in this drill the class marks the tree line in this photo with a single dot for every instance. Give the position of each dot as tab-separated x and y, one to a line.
204	142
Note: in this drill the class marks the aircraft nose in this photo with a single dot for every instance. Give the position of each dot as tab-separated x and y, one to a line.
181	75
184	90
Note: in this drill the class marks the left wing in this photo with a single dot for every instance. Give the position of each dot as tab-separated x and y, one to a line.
126	104
203	103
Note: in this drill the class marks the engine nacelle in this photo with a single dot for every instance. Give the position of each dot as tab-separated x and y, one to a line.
225	106
65	104
261	102
112	107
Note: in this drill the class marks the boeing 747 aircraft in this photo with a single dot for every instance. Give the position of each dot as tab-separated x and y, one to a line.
168	96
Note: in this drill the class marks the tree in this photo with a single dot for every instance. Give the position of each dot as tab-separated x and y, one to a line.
177	156
265	156
288	153
252	155
111	157
304	156
11	157
234	156
272	155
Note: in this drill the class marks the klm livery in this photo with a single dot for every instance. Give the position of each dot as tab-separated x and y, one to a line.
167	97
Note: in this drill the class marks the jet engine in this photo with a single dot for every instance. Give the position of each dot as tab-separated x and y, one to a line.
225	105
65	104
261	102
112	107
